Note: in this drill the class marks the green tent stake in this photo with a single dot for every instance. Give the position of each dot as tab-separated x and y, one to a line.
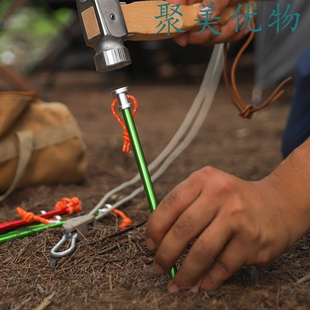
142	166
125	106
30	230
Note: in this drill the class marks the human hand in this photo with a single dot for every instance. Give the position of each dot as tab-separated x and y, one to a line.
236	223
207	37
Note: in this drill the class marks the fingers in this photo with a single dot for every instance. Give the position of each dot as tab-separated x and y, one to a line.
184	2
217	254
212	32
182	39
229	33
190	224
218	34
206	206
231	259
188	212
218	6
171	207
205	249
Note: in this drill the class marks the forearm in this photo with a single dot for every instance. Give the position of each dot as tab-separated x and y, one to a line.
291	181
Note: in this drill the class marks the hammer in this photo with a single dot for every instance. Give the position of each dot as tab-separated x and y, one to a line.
106	24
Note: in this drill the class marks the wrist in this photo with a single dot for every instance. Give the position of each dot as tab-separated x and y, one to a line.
290	184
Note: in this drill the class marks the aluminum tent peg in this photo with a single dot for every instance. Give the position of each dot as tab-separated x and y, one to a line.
121	95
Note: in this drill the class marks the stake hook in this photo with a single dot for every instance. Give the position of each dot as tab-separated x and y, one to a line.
62	241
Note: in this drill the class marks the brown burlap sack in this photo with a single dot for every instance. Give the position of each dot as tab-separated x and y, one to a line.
40	143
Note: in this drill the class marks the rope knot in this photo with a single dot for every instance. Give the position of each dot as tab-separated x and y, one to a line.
29	217
126	138
247	112
73	205
233	93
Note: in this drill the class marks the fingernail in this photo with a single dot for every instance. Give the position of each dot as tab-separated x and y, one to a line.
241	22
150	244
247	30
195	289
204	11
159	269
173	289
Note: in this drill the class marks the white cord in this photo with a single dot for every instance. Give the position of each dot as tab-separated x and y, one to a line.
198	110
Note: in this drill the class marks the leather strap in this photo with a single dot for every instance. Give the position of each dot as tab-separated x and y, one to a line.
30	141
43	138
246	110
25	143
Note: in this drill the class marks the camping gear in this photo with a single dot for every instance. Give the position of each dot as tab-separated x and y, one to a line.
40	143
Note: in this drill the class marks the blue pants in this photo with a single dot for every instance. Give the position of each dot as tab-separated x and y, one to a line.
298	126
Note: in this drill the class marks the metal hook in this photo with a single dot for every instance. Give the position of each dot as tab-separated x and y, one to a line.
62	241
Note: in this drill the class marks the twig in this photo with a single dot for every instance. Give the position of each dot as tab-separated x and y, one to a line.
118	233
45	302
40	288
106	250
22	303
110	283
304	279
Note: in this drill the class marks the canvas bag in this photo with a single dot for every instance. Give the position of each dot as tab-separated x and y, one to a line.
40	143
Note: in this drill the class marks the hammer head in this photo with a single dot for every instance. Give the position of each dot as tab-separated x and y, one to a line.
104	29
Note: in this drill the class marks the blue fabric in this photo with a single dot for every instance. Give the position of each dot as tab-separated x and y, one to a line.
298	125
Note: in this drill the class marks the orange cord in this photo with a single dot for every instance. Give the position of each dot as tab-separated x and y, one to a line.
126	221
74	205
29	217
126	145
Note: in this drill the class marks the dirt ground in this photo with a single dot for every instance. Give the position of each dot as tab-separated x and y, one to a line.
122	277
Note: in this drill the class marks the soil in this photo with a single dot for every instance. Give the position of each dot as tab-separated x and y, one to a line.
114	271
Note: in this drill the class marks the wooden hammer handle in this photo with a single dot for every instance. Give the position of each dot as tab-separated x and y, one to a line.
143	19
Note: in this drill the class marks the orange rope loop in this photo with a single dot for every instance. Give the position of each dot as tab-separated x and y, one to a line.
126	221
126	138
74	205
29	217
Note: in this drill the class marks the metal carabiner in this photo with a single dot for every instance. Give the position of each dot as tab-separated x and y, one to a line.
62	241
